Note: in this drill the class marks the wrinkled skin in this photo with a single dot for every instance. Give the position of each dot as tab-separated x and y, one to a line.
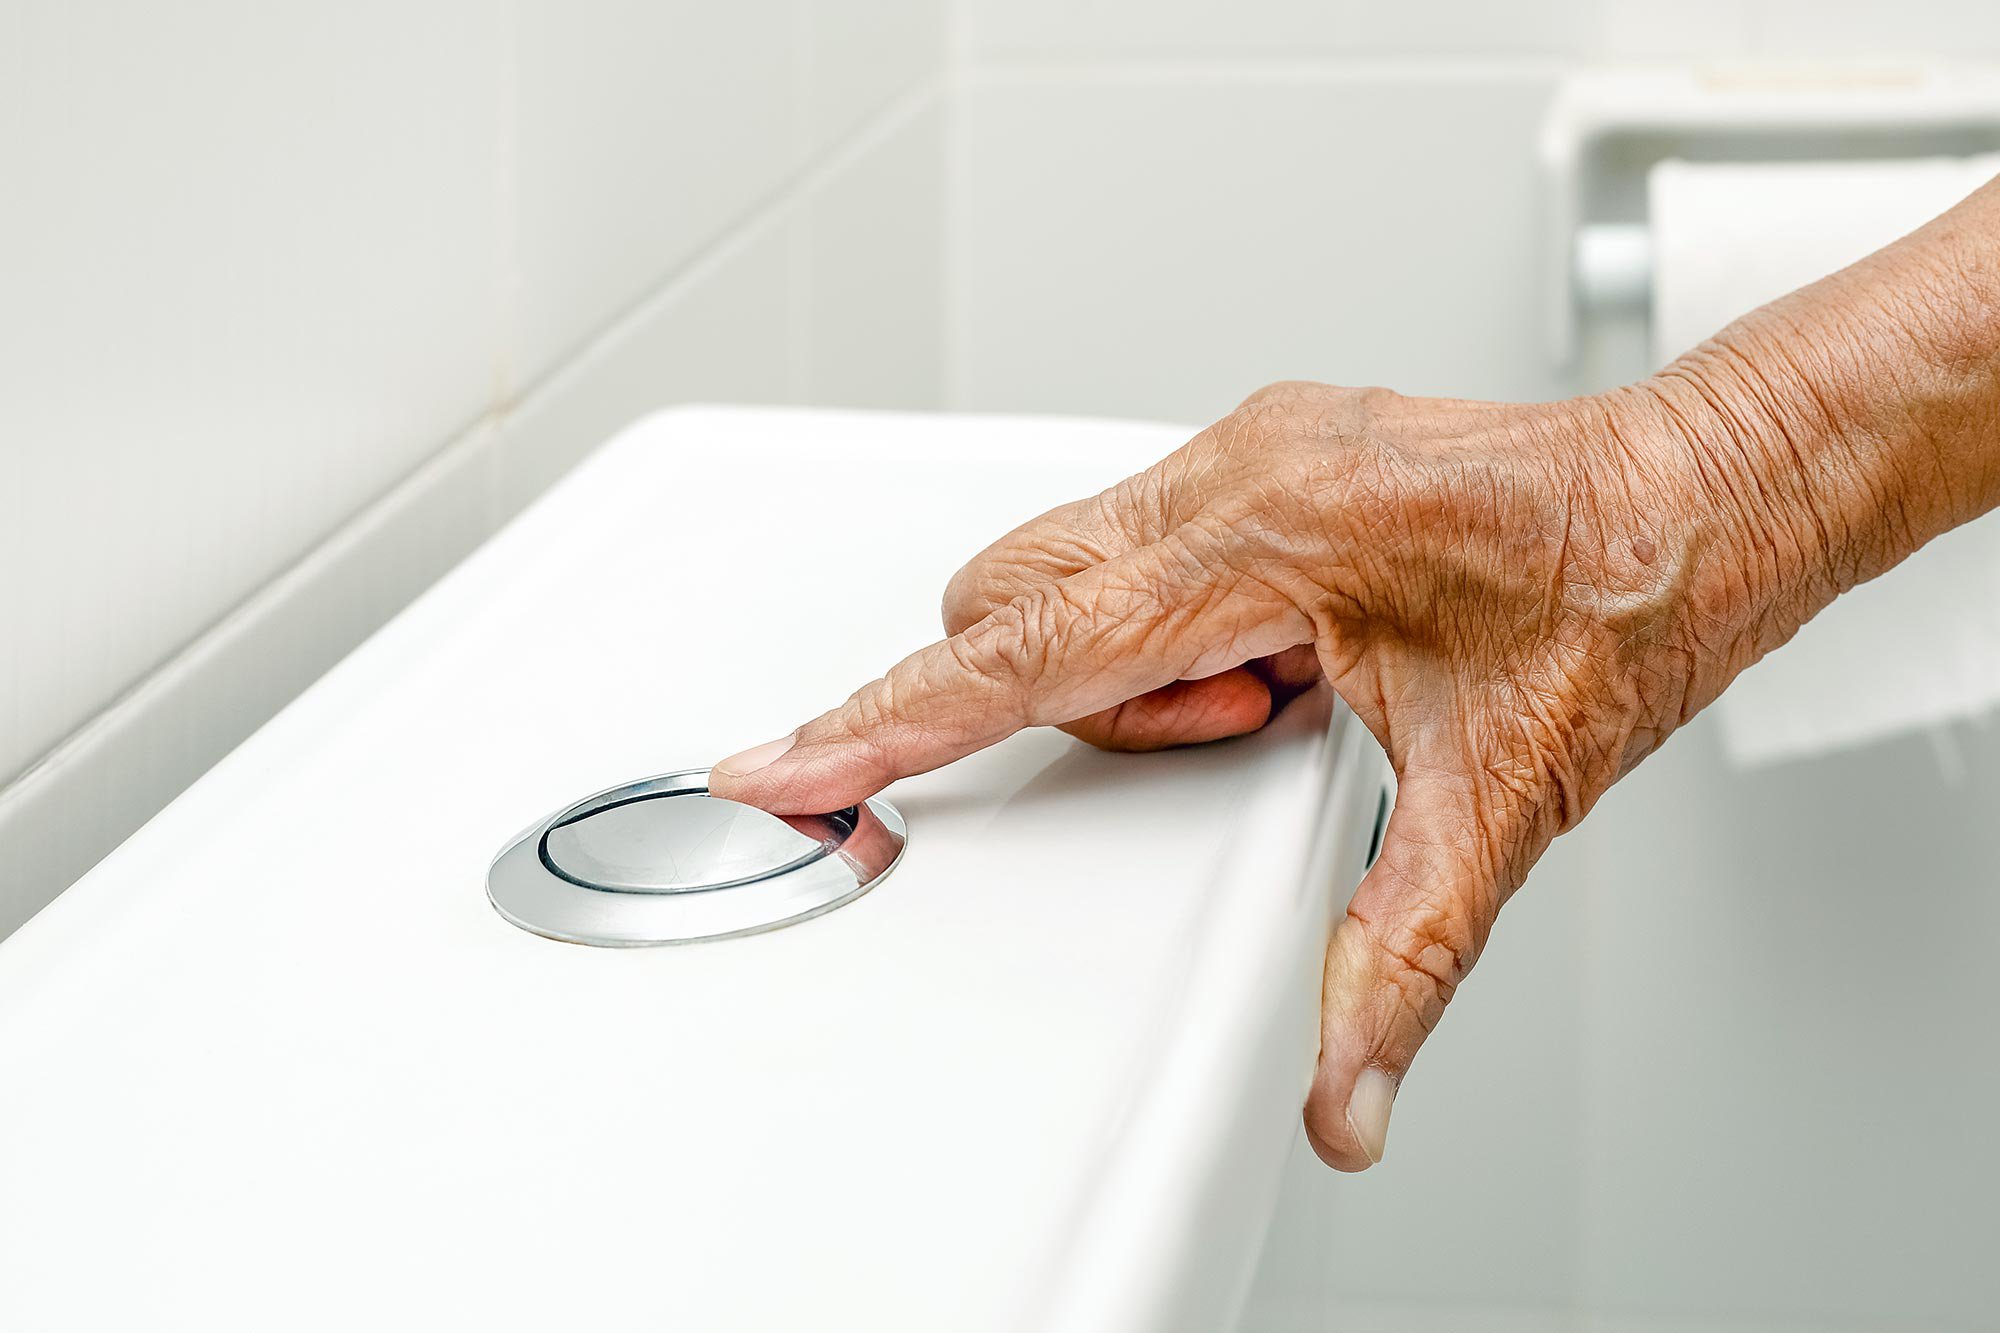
1520	601
1505	596
1512	599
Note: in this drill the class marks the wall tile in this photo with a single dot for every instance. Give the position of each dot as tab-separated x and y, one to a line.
1799	30
1292	28
1161	248
63	816
251	281
644	131
860	55
873	299
1644	30
834	300
1868	31
721	334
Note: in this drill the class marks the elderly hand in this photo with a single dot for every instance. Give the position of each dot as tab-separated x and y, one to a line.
1520	602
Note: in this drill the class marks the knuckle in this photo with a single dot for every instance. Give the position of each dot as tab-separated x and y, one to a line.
1271	418
1278	391
1011	644
1373	400
971	653
1053	547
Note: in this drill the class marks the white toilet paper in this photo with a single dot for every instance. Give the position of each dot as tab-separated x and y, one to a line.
1920	646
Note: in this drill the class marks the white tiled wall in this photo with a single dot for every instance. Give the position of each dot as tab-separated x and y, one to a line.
1716	1071
250	279
874	277
858	57
263	267
831	299
647	131
1229	231
1343	191
643	131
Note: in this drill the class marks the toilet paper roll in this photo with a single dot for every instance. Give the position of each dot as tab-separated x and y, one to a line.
1920	646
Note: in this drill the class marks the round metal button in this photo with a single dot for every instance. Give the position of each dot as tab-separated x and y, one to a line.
680	843
660	861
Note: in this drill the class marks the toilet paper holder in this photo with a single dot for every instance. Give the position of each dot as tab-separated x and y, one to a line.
1606	128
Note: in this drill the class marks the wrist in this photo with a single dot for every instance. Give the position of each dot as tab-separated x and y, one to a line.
1830	434
1746	489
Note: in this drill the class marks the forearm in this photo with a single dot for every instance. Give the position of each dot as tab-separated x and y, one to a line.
1839	429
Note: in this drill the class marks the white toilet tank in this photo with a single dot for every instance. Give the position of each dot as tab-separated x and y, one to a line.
278	1063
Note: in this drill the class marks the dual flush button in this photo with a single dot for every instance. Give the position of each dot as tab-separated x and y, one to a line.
660	861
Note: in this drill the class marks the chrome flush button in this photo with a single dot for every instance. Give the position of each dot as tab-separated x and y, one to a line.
660	861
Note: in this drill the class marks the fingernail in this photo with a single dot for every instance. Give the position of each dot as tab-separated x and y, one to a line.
1368	1111
756	757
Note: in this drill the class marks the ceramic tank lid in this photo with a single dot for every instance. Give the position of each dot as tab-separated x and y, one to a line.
277	1060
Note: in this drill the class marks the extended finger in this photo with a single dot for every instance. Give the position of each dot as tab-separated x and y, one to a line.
1058	652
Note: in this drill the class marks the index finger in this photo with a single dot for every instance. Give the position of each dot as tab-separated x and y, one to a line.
1054	653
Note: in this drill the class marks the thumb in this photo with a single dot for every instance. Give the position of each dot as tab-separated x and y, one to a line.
1412	932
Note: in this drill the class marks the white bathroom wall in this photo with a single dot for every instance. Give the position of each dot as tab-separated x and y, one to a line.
302	301
1219	243
1716	1071
1243	192
250	263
